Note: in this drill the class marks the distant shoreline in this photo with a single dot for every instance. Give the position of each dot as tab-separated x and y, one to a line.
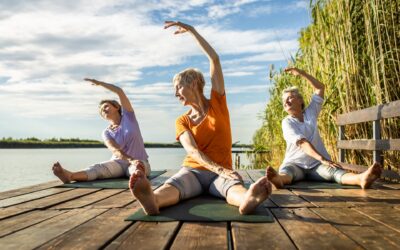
83	144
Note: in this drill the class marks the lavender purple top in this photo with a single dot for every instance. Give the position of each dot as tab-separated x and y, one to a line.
127	135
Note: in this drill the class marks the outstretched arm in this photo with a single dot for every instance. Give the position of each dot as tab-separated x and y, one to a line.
217	78
319	88
126	104
309	149
190	146
119	153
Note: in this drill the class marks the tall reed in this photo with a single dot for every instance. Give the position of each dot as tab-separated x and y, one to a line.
352	46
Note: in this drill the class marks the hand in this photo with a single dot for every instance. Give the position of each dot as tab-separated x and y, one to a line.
331	163
93	81
294	71
182	28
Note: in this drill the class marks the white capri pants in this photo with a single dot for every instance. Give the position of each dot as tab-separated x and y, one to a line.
114	169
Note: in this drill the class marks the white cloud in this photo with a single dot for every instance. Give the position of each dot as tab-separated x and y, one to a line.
50	45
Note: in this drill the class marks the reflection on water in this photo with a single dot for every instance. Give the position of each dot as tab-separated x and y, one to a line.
24	167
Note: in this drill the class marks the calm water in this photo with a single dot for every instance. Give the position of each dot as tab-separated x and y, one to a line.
24	167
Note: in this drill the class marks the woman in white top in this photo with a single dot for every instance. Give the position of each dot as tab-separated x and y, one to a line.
306	156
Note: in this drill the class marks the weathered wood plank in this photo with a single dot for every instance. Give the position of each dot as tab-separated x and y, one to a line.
387	216
374	113
57	199
31	196
286	198
88	199
260	236
29	189
309	231
201	236
22	221
93	234
40	233
364	144
146	235
116	201
319	198
359	197
11	211
366	232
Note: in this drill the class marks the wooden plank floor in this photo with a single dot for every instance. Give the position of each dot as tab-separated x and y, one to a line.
48	217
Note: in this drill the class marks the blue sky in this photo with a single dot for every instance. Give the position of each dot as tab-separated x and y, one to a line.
49	46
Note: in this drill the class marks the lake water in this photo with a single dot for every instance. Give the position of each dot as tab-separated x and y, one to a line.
24	167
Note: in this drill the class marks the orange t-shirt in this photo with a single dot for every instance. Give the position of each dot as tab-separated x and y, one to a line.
212	134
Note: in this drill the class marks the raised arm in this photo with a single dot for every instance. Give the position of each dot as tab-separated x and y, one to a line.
217	77
191	148
125	103
319	87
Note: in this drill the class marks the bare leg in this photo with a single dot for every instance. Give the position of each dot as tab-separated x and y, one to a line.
278	179
248	200
365	179
150	201
67	176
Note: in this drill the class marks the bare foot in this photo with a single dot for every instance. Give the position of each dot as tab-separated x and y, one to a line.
63	174
141	189
274	177
257	193
369	176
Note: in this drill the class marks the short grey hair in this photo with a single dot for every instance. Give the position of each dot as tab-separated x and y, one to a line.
190	75
294	90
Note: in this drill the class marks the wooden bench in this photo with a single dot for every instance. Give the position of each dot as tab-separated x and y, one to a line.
376	144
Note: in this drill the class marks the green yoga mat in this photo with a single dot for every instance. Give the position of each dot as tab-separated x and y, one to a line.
319	185
203	208
114	183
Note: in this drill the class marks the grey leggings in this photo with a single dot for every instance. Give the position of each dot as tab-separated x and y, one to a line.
113	169
318	173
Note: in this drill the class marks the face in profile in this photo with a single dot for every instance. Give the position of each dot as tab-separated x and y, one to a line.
292	103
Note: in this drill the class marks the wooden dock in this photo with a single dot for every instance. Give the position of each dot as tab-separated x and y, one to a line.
48	217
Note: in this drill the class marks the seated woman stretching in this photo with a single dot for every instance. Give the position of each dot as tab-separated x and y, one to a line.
122	137
306	156
204	131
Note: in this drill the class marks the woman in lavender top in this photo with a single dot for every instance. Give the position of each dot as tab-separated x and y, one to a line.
122	137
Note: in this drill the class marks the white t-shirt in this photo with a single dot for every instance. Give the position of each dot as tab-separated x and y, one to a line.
294	130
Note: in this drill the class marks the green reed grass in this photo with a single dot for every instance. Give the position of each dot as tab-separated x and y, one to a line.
352	46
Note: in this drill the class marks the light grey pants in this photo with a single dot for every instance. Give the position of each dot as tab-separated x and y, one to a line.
317	173
192	182
113	169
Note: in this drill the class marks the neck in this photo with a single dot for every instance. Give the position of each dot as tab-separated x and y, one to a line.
299	115
115	121
200	106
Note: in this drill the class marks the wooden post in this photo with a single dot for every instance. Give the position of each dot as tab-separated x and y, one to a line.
377	154
237	161
342	151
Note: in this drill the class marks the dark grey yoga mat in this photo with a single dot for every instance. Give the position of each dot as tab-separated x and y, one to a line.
319	185
113	183
203	208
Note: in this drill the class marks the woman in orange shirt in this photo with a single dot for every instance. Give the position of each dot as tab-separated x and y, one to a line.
205	133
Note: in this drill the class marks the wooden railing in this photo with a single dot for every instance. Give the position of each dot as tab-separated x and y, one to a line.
376	144
237	153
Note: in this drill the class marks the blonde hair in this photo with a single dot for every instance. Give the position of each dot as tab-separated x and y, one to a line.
294	90
190	75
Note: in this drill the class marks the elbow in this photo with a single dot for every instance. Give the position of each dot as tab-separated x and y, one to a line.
215	58
300	143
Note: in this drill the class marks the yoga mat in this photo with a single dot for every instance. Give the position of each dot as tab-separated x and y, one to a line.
319	185
203	208
113	183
